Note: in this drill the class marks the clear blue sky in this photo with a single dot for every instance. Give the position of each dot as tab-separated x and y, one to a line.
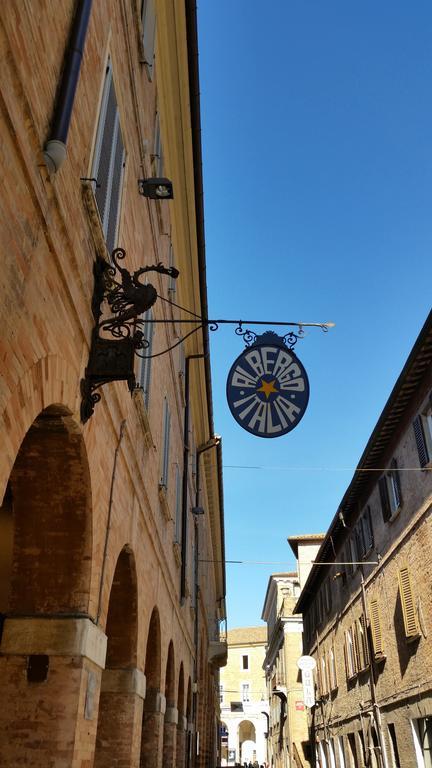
317	144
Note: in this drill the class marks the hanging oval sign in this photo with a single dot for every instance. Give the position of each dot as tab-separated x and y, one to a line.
268	387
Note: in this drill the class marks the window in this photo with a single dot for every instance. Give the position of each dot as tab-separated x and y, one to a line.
323	676
327	597
245	692
352	554
331	663
367	531
165	445
108	162
408	604
158	159
394	752
144	373
171	280
361	643
423	436
390	492
422	735
245	662
148	19
350	661
221	694
178	507
375	624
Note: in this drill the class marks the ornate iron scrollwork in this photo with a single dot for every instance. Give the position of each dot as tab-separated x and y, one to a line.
116	339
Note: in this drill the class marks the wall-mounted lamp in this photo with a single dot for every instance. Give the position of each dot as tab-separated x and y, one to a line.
156	188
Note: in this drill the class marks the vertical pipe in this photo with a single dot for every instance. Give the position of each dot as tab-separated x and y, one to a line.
55	148
376	709
185	475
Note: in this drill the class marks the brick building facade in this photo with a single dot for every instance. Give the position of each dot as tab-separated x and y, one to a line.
112	580
367	603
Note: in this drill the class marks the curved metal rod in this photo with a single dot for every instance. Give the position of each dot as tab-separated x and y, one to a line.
158	354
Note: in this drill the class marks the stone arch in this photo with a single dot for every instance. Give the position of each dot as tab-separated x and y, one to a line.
247	741
171	713
154	703
48	503
122	688
46	559
50	381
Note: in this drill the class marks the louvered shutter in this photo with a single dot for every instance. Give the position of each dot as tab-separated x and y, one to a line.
408	604
385	501
108	162
375	623
364	640
148	17
146	361
397	484
165	444
420	441
178	504
116	177
104	147
367	529
356	643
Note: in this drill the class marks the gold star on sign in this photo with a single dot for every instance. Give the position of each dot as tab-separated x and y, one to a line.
267	387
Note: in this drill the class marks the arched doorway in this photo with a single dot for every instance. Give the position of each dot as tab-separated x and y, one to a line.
45	562
171	713
152	730
122	690
247	741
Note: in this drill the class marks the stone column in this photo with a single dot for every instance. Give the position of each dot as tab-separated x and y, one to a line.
118	740
152	730
170	737
181	742
50	671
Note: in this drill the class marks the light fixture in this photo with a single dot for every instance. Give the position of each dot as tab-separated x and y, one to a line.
156	188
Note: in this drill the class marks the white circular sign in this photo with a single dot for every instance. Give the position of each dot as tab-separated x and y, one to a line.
306	662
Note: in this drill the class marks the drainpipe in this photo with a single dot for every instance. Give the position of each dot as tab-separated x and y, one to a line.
212	443
375	707
55	148
185	475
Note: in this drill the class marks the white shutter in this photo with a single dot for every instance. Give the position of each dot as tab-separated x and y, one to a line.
165	445
146	360
148	18
108	162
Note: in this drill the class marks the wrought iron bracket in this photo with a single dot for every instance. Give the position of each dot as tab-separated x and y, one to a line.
116	339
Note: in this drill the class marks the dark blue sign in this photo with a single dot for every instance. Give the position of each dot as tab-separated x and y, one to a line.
268	388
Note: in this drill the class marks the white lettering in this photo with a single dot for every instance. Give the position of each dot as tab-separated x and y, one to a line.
260	417
272	428
254	360
282	361
293	384
242	379
290	410
267	354
292	372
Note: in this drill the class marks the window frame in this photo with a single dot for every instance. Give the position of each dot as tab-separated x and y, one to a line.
165	444
106	213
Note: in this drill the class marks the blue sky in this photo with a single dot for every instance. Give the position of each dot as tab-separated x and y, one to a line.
317	147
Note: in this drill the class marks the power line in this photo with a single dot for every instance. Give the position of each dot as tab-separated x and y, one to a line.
326	469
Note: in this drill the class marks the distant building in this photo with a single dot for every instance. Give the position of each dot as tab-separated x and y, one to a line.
288	741
367	603
243	697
